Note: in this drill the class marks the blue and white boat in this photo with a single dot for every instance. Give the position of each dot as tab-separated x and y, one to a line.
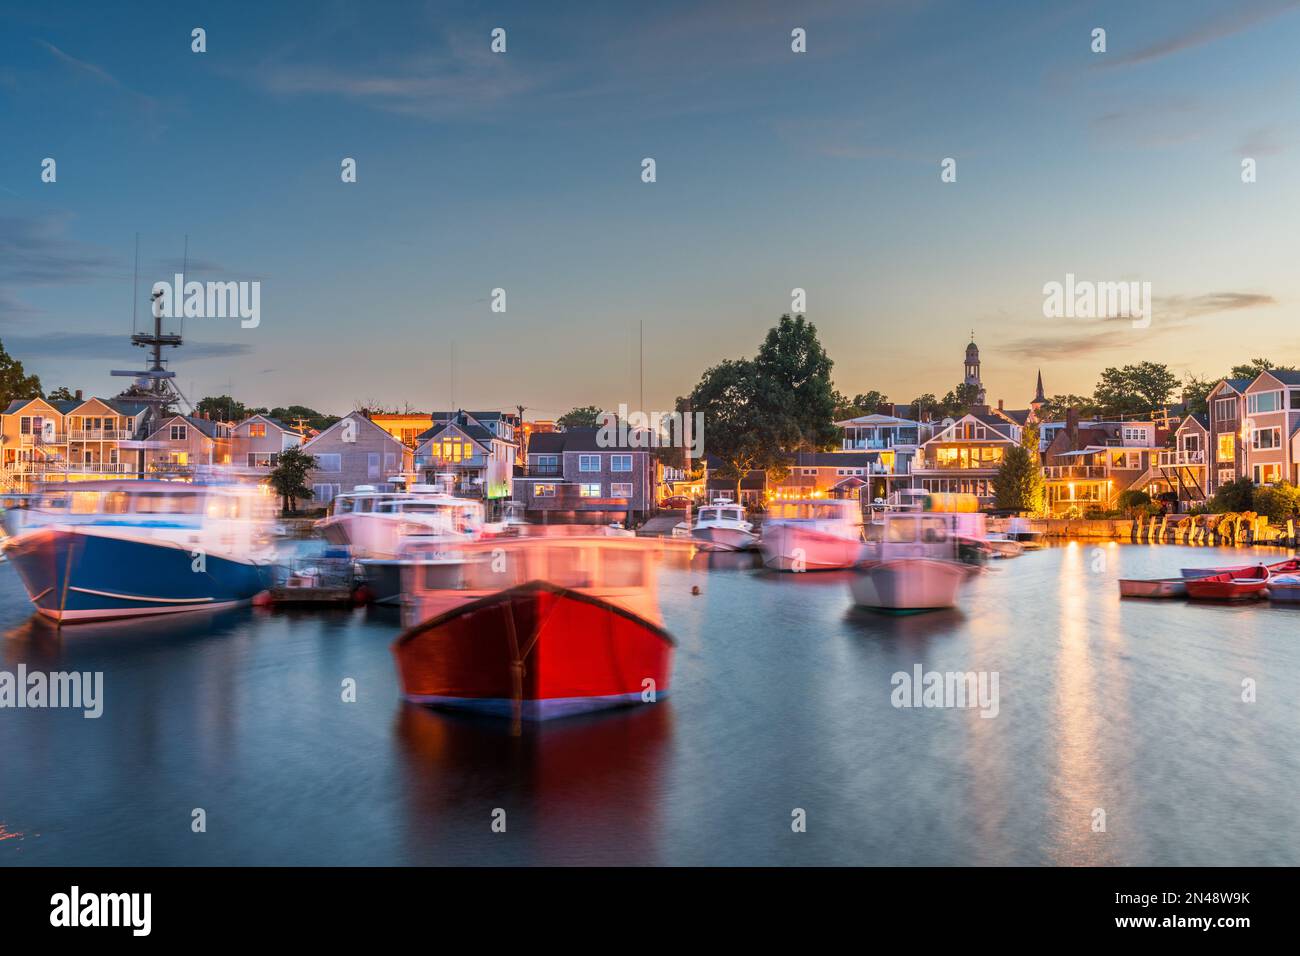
94	550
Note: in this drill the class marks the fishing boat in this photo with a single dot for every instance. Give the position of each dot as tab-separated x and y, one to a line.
812	535
95	550
1284	588
1247	585
1153	587
375	523
535	652
622	571
917	561
721	526
1288	566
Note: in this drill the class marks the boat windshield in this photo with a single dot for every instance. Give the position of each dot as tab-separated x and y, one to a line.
708	514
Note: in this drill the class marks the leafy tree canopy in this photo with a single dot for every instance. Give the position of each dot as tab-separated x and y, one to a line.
1135	389
14	380
587	416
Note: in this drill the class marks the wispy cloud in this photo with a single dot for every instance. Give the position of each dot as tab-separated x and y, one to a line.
1239	18
145	107
34	251
1171	314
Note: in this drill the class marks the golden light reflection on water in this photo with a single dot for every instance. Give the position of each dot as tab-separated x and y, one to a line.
1080	783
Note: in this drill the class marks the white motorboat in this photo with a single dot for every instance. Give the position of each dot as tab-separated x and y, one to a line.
918	561
375	524
812	535
722	527
1000	546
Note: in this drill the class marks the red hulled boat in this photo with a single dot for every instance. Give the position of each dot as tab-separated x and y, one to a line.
534	652
1236	585
1287	566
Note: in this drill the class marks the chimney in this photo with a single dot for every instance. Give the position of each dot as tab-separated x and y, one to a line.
1000	408
77	394
1072	426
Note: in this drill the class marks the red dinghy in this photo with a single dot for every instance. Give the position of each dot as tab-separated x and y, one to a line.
1287	566
534	652
1230	586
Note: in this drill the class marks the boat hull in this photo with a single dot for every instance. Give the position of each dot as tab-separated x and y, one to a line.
1153	587
537	650
79	574
909	584
791	548
1289	566
1228	587
724	539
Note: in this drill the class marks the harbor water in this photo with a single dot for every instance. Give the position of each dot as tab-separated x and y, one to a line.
1172	725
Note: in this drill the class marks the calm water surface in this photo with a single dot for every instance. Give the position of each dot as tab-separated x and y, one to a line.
781	699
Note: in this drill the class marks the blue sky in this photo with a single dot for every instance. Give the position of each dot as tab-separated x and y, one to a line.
522	171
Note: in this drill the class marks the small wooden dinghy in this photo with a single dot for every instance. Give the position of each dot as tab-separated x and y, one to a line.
1153	587
534	652
1230	586
1289	566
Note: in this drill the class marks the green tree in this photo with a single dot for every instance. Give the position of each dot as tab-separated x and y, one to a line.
925	407
61	394
796	397
1234	496
587	416
1135	389
289	477
1057	405
1279	502
1195	392
864	403
1018	485
960	399
291	414
1252	368
14	380
726	397
223	408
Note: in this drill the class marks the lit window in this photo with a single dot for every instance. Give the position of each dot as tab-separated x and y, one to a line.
591	490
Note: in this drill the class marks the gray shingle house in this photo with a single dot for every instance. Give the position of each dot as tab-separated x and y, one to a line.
355	451
572	478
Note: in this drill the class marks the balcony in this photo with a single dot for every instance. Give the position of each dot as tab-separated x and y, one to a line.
1074	471
68	468
932	464
1181	459
98	434
30	438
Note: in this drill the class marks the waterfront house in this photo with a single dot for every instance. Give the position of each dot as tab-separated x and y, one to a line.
1184	469
837	474
355	451
892	441
257	441
963	457
1225	406
572	477
1271	412
71	440
1089	464
406	427
476	449
181	446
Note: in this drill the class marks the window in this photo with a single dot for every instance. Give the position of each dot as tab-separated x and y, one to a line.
1228	447
324	493
390	461
1225	409
620	489
1263	402
543	491
620	462
808	472
1226	475
179	433
588	463
329	463
589	490
1135	434
372	464
260	459
1191	443
547	464
257	430
1263	438
1267	474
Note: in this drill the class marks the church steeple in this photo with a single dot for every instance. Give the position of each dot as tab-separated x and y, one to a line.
1039	398
972	369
